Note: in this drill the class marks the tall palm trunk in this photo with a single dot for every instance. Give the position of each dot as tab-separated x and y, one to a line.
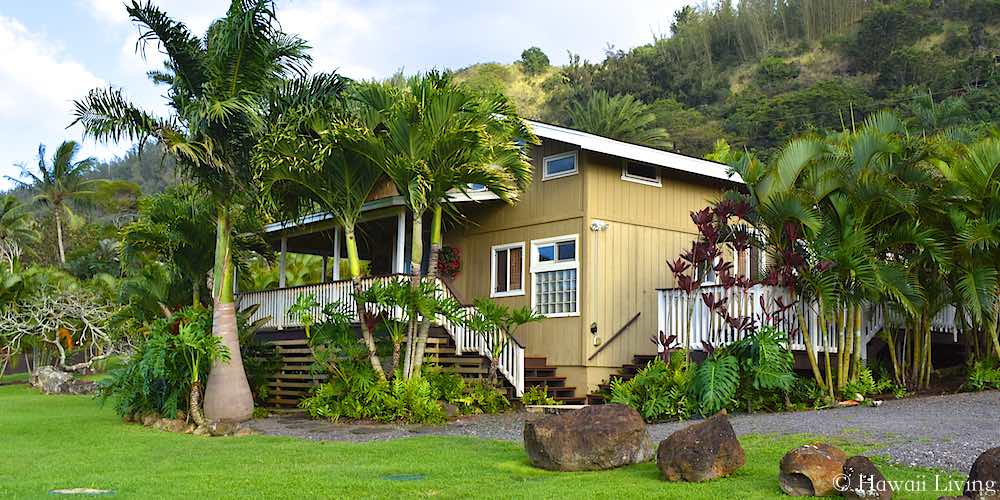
56	212
425	323
354	266
807	340
227	394
416	257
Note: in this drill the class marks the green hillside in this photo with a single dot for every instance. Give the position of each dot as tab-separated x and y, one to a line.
761	72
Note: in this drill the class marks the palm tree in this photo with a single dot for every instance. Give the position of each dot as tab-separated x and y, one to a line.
434	137
974	173
312	159
175	227
57	183
220	87
621	117
17	229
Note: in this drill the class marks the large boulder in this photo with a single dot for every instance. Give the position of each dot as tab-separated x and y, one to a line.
984	477
592	438
862	479
51	380
701	452
812	470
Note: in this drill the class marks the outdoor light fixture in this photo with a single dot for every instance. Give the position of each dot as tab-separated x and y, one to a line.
598	225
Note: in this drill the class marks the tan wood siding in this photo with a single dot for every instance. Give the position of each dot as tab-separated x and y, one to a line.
647	226
627	265
609	197
544	201
557	338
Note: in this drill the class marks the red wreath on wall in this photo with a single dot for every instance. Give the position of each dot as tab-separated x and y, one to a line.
449	262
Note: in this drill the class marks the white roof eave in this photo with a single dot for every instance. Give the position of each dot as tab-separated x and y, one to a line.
652	156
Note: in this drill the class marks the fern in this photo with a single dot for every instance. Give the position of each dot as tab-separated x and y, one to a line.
716	381
658	392
982	376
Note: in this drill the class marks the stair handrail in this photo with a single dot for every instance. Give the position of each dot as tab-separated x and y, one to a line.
616	335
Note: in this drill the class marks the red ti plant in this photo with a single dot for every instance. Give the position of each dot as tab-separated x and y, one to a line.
714	230
668	343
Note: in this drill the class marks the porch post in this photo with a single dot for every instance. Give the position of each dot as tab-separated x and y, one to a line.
322	279
399	252
336	253
281	262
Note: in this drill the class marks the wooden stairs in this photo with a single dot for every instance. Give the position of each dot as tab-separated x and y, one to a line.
639	361
293	380
537	372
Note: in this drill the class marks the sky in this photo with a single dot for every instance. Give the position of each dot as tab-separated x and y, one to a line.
54	51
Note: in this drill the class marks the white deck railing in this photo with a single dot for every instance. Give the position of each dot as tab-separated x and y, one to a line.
676	311
274	304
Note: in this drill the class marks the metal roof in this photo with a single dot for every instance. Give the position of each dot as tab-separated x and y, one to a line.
591	142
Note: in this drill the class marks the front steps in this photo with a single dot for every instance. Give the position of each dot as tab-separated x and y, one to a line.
293	380
639	361
537	372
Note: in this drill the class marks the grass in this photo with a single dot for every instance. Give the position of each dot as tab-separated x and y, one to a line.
53	442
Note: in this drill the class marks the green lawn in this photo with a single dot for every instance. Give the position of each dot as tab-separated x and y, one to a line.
49	442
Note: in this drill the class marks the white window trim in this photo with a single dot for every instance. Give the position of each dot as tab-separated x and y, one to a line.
541	267
547	159
493	270
761	257
642	180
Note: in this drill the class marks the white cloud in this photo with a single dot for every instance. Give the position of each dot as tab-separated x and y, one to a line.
38	83
107	11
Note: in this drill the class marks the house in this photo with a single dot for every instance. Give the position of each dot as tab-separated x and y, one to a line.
586	246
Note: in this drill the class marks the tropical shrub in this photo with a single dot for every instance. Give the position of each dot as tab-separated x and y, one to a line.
716	381
983	375
361	396
260	359
482	397
445	386
538	395
659	391
165	371
866	385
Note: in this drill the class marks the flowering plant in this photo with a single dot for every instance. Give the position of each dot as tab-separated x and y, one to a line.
449	262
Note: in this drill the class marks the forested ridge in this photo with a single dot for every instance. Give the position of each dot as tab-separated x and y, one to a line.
759	72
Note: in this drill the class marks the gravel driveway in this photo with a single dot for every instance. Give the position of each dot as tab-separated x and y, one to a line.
946	432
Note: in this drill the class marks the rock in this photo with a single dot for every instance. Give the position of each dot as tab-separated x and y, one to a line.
812	470
51	380
450	410
593	438
189	428
245	431
701	452
222	427
170	425
984	477
149	419
863	480
201	431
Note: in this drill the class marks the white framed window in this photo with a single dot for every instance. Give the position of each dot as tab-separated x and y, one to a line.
554	276
507	270
643	173
560	165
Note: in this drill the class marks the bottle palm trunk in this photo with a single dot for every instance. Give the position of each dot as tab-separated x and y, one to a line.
227	394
